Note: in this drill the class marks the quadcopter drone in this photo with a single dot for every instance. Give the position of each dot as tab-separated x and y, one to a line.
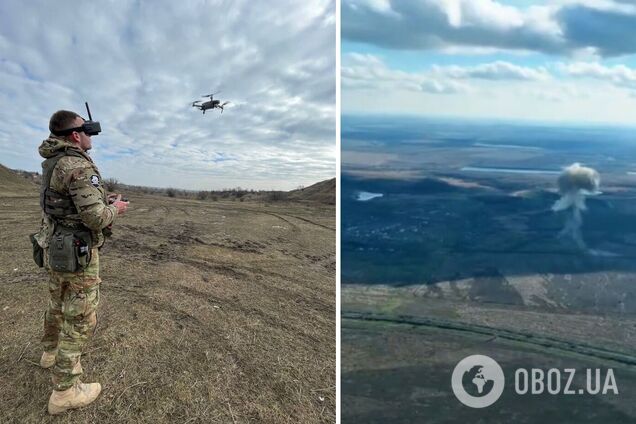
210	104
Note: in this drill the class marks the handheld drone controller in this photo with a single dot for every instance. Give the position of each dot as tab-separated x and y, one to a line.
123	199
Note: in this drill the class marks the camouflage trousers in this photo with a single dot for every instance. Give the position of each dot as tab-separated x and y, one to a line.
70	319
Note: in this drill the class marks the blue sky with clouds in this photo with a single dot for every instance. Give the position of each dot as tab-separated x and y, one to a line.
140	64
560	60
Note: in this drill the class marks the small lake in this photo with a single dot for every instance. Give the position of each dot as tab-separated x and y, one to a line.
364	196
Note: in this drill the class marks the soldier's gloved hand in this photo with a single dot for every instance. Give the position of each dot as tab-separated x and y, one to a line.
120	205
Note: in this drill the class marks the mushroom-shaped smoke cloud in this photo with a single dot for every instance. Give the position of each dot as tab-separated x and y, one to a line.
575	183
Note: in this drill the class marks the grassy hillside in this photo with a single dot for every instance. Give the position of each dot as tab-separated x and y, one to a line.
323	192
13	184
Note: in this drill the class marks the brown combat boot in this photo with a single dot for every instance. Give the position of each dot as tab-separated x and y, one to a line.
77	396
48	359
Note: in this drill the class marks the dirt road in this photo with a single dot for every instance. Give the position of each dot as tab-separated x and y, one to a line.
209	312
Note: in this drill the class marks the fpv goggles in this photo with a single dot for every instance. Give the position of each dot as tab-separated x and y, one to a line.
89	127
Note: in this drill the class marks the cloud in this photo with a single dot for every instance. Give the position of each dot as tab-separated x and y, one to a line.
605	27
495	71
610	31
618	75
434	86
431	24
364	71
141	64
369	72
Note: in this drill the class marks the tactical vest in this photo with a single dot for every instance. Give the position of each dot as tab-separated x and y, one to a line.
54	204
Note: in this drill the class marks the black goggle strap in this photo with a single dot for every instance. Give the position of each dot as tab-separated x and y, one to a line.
68	131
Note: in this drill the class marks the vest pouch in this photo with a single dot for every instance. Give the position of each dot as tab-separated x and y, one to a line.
84	246
69	250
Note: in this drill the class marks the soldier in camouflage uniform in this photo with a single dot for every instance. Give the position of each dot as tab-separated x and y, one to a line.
70	319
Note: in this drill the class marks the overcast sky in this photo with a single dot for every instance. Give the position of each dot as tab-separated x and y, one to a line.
140	64
561	60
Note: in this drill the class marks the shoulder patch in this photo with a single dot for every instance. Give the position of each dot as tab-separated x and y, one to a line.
95	180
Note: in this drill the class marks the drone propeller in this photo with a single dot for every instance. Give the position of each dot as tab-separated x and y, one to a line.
225	103
210	95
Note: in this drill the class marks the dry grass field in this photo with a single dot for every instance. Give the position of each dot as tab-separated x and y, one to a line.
209	312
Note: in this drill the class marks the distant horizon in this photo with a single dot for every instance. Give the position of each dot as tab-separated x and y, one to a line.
184	188
486	119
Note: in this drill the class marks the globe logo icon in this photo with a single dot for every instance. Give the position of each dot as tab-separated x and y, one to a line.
477	381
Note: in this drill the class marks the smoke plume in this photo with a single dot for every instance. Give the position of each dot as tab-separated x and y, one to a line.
575	183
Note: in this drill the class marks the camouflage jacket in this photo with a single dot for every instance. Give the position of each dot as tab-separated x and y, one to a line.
79	178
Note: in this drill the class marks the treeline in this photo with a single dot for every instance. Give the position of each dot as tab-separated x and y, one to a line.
236	194
32	176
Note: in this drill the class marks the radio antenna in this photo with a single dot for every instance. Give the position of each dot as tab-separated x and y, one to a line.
90	118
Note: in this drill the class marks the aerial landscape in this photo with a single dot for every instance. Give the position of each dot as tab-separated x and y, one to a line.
455	199
488	211
457	232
